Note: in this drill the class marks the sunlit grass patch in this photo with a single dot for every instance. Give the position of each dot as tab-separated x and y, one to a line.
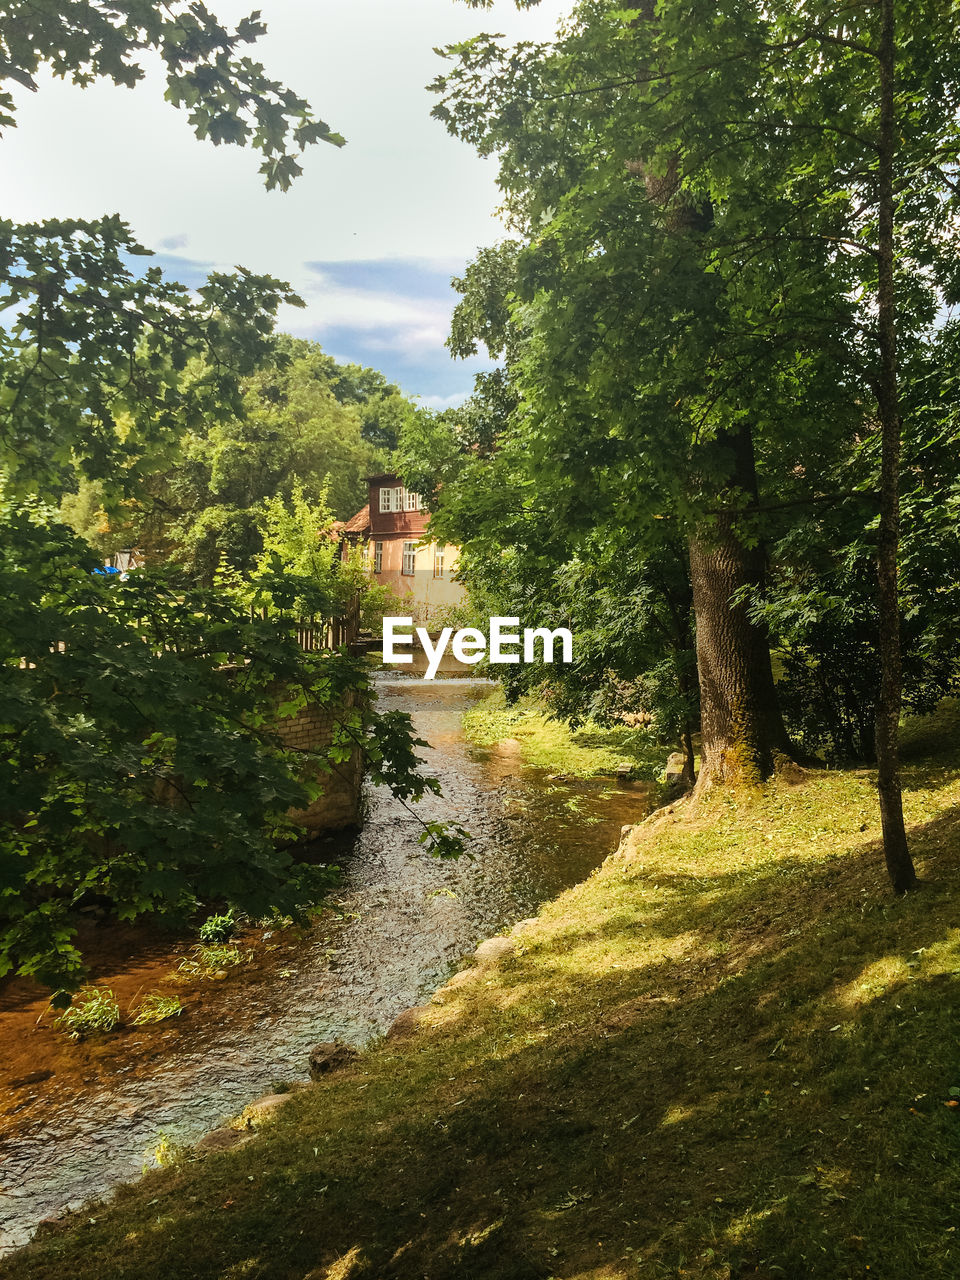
211	961
730	1052
92	1009
545	743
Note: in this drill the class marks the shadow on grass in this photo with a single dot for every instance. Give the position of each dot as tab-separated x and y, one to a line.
713	1073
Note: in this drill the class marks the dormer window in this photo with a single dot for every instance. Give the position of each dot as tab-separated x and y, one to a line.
398	499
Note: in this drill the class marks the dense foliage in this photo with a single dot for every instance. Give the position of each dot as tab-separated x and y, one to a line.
303	423
694	365
142	768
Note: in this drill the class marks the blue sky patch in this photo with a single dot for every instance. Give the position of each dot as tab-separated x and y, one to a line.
408	277
435	376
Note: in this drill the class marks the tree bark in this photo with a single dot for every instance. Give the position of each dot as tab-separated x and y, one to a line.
895	849
741	726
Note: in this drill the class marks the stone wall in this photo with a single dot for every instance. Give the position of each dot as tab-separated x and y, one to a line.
312	729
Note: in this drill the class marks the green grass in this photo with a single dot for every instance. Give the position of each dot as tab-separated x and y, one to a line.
92	1009
155	1007
210	961
586	752
729	1053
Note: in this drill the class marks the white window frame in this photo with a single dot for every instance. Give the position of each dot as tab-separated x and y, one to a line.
378	557
411	501
438	561
386	500
409	563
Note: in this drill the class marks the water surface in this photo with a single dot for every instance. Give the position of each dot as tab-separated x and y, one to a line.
76	1119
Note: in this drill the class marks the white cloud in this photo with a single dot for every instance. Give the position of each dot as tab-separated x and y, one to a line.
444	402
361	309
402	191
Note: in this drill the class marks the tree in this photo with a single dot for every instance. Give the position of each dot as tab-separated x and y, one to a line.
142	763
102	370
134	769
205	507
631	617
95	365
814	144
229	97
652	379
821	605
863	102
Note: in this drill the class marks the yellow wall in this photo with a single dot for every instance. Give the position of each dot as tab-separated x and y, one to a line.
421	594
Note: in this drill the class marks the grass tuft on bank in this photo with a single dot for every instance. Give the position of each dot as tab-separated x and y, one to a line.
589	751
728	1053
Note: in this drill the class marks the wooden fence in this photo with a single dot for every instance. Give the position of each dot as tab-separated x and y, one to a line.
319	633
314	635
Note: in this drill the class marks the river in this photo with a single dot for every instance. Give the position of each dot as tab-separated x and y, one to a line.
77	1119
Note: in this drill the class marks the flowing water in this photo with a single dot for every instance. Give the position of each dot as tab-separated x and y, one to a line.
76	1119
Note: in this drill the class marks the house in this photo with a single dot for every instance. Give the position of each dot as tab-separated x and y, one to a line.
393	532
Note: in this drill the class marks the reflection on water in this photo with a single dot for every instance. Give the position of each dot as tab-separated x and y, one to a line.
73	1131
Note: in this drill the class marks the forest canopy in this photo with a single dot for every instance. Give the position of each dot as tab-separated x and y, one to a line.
723	436
143	769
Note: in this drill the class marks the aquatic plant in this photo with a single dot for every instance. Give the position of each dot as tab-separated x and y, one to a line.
218	928
92	1009
209	961
155	1007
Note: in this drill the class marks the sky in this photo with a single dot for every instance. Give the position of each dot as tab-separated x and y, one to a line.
369	235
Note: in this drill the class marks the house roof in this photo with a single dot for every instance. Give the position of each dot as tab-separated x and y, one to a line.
359	523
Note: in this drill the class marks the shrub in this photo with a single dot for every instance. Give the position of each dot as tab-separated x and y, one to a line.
141	763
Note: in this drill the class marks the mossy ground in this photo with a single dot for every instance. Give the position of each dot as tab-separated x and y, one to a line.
729	1053
589	751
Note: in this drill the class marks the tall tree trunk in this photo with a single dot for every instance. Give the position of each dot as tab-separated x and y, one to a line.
895	850
742	730
741	726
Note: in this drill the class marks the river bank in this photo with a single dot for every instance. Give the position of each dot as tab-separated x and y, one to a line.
77	1119
589	751
727	1052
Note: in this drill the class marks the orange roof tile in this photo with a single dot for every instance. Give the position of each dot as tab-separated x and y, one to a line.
359	523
